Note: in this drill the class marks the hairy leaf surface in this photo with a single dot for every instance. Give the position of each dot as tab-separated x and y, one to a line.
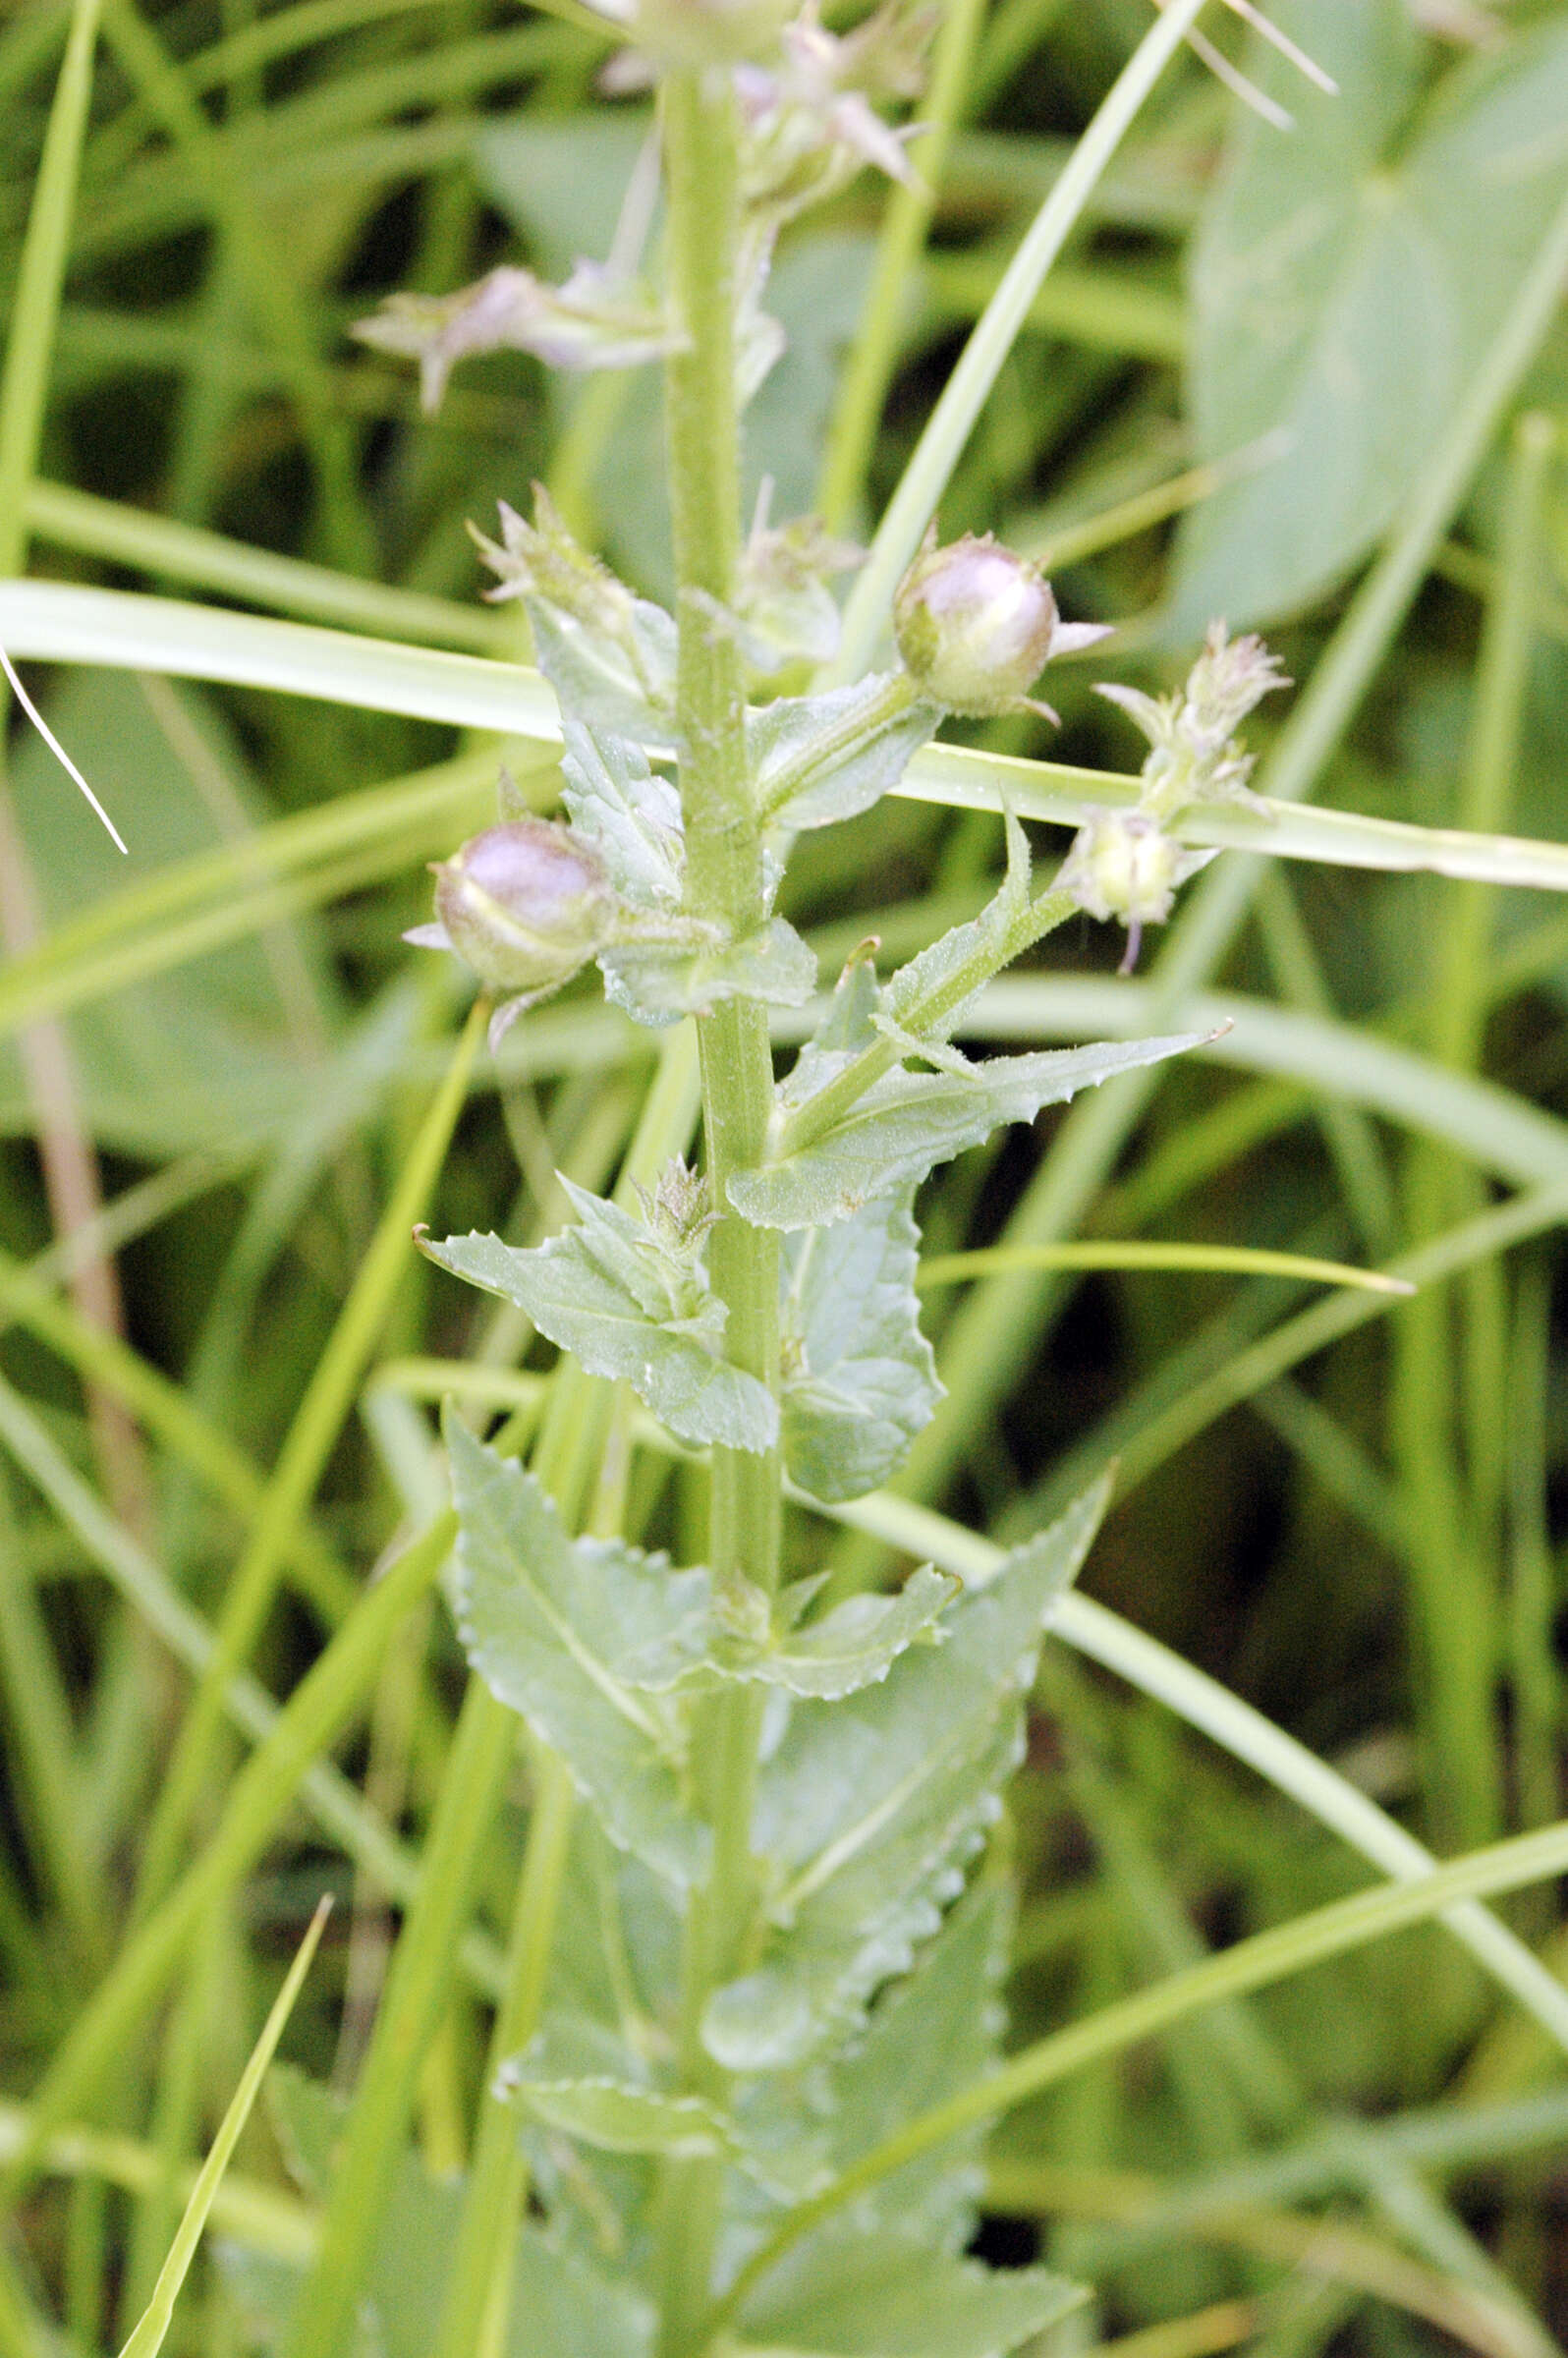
820	758
629	1306
629	812
853	1647
859	1380
907	1122
553	1625
885	2294
656	983
628	693
868	1807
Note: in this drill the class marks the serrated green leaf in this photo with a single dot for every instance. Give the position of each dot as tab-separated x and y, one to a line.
631	1308
907	1123
883	2294
595	678
859	1380
928	2036
850	1648
629	812
550	1623
1346	283
658	982
820	758
582	2079
868	1807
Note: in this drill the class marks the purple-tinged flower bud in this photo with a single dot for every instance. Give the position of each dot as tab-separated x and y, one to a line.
524	905
976	623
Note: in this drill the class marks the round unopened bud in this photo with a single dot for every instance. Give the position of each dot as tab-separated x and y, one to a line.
975	625
525	904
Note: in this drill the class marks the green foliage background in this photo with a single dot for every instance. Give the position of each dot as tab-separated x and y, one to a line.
1350	1517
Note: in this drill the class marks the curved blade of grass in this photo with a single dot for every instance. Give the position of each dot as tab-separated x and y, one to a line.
1247	1734
66	624
66	517
261	1797
219	895
35	309
1247	1260
996	1325
963	395
311	1438
1252	1964
146	2339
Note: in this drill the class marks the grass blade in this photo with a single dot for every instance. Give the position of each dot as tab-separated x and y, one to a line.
148	2337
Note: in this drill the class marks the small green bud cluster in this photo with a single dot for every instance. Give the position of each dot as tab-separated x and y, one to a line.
1123	864
976	623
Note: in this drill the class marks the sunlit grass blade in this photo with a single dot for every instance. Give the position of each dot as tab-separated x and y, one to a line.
315	1427
1247	1260
148	2337
66	517
60	623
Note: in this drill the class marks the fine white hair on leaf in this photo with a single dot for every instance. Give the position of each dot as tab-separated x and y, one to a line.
57	749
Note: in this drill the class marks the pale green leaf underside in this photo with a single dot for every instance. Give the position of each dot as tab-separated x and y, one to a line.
551	1624
869	1807
907	1122
820	758
850	1648
658	982
882	2294
1347	282
605	1295
928	2036
629	812
859	1380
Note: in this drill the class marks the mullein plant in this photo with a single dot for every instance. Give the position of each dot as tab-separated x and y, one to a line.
765	1926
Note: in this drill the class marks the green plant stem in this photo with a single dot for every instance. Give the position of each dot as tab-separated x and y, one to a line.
724	883
874	354
925	1014
964	393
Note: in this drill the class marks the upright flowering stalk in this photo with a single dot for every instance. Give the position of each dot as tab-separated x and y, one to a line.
788	1802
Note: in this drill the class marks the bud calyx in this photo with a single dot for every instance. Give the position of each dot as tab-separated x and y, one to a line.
976	623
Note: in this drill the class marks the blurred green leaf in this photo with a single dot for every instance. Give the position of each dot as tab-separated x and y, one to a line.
1347	280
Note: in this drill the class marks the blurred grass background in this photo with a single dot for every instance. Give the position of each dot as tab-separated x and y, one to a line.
220	1057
